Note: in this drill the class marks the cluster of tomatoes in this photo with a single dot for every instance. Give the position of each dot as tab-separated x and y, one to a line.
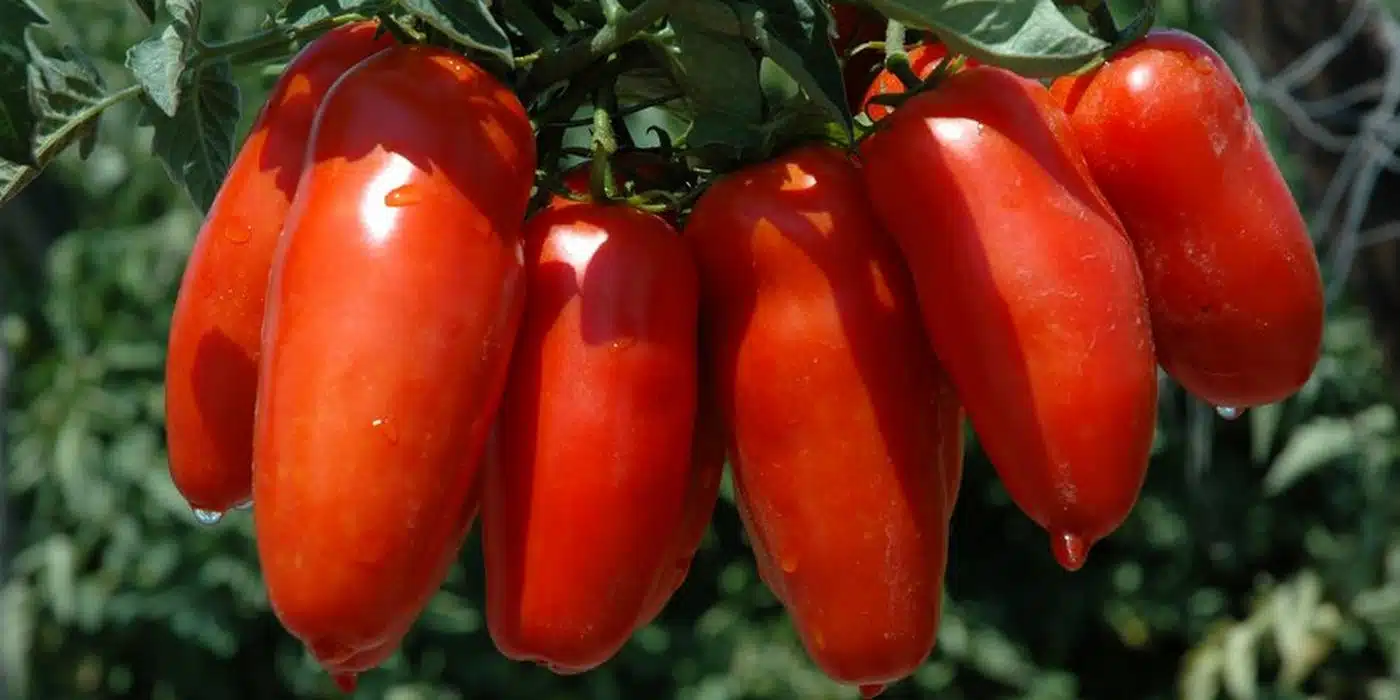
374	344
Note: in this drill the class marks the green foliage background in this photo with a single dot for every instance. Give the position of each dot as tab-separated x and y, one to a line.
1263	560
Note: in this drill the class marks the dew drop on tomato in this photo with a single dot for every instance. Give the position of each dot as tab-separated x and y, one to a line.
1070	550
386	429
207	517
870	690
1228	412
789	563
402	196
238	234
345	681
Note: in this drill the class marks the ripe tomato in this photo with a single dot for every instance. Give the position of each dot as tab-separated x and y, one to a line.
590	486
923	58
393	305
855	26
1232	279
841	425
1030	294
211	367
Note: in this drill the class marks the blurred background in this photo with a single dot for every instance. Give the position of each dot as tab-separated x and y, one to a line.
1262	561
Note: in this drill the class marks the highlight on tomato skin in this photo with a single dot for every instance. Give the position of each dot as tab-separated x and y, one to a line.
832	402
1233	280
215	330
594	501
1048	343
383	364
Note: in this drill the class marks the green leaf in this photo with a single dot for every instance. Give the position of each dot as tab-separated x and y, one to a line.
796	35
467	22
300	13
68	98
721	77
17	117
147	8
196	144
1031	37
160	62
1310	447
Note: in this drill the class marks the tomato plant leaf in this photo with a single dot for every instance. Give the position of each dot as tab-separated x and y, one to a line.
67	95
795	35
147	8
720	75
1032	37
467	22
160	61
300	13
1311	446
196	143
17	118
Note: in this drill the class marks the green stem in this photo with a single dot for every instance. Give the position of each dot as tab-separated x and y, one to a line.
563	63
604	146
896	58
261	43
63	138
1101	18
625	111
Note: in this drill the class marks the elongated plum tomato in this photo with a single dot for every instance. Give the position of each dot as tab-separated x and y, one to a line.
393	306
590	484
211	368
1030	294
923	59
1232	279
841	425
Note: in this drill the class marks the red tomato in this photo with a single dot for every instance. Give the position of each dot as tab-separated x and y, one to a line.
1232	279
1030	294
393	306
841	425
211	366
591	487
924	59
855	26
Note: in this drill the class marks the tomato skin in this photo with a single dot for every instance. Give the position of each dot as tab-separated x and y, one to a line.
211	368
590	486
1232	278
393	306
1030	294
841	425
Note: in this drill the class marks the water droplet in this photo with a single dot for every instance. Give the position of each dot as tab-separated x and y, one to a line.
345	681
623	343
238	234
403	195
244	505
386	428
870	690
1070	550
1229	412
789	564
819	639
1203	65
207	517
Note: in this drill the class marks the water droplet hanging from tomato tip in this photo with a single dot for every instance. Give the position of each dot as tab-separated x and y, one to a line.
207	517
402	196
870	690
1070	550
345	681
1229	412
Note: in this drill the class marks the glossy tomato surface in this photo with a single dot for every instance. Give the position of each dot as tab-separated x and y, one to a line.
211	366
841	427
592	494
1030	294
393	307
1232	278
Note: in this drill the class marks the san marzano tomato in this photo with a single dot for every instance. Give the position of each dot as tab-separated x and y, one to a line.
211	367
394	302
842	428
593	505
1232	279
1030	294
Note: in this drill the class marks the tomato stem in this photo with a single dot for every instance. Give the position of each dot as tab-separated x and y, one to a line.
896	58
560	64
600	181
267	44
1101	18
